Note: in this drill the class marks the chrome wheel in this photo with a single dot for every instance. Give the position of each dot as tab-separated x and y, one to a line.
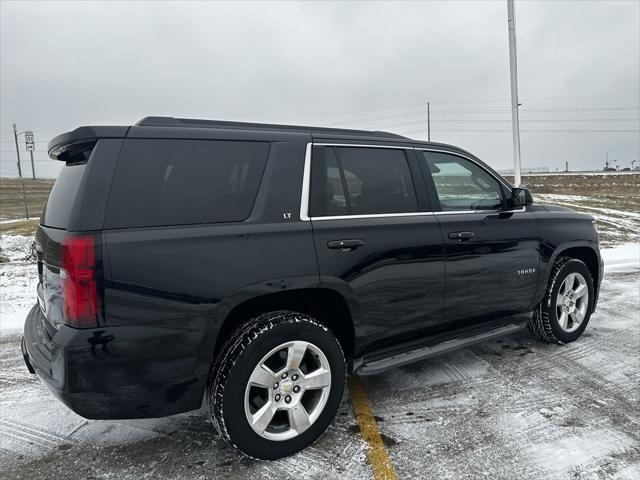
572	302
287	390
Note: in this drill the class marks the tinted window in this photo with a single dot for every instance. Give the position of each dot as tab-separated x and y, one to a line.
461	184
173	182
327	189
378	180
63	195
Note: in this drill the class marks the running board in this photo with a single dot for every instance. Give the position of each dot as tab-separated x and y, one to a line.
374	364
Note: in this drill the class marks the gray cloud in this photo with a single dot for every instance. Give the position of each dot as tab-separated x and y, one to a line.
352	64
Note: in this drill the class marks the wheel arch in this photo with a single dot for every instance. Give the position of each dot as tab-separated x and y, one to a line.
324	304
585	253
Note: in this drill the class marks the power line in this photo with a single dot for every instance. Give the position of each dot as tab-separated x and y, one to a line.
462	130
456	102
544	109
481	122
436	112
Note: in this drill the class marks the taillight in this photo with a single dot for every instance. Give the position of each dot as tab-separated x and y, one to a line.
78	281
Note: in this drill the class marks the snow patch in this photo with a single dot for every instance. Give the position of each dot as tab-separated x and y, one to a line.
18	281
16	220
578	450
622	259
16	247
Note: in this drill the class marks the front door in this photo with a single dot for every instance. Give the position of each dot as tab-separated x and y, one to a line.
491	252
377	240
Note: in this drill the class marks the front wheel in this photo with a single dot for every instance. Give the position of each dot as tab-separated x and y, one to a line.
278	385
564	312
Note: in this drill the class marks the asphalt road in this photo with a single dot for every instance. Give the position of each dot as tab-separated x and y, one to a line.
510	409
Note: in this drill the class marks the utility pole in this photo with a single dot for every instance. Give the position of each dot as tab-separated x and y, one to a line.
15	136
428	122
24	191
513	73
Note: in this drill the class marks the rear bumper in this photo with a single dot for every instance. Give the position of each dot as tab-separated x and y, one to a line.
121	372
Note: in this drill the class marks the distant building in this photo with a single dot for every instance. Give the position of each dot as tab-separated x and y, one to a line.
509	171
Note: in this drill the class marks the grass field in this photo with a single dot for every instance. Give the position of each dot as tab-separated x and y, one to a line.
614	200
12	204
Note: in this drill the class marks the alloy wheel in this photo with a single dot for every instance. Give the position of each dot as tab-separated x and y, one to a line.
572	302
287	390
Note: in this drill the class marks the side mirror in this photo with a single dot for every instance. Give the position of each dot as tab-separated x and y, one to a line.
520	197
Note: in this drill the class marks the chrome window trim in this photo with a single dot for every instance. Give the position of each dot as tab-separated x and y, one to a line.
374	215
461	212
409	147
306	182
306	186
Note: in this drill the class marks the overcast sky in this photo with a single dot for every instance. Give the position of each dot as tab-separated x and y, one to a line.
348	64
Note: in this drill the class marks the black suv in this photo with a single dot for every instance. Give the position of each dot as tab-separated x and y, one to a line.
258	265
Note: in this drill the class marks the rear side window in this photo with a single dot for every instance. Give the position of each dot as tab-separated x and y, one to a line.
376	181
178	182
327	188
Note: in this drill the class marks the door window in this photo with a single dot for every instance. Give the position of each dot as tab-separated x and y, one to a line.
376	181
462	185
327	190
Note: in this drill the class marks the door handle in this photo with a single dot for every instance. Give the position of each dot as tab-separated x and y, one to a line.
460	236
350	244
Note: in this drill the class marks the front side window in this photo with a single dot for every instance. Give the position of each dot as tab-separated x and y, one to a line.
462	185
360	181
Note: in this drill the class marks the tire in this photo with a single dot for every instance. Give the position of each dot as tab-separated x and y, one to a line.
275	340
555	318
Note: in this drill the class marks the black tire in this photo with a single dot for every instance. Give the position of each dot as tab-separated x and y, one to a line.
544	323
240	355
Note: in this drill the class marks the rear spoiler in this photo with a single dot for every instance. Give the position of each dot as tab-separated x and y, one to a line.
65	146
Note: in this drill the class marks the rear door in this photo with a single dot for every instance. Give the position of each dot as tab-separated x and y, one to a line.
377	239
491	252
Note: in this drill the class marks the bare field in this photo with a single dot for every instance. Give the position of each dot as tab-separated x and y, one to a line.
612	199
11	202
583	183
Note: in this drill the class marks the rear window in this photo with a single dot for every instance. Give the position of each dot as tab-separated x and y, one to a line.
178	182
57	211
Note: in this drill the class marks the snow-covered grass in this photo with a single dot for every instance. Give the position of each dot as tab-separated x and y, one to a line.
18	280
618	215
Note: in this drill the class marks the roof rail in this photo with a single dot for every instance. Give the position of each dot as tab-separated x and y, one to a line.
197	123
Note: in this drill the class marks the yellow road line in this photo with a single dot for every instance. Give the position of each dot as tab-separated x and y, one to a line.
378	455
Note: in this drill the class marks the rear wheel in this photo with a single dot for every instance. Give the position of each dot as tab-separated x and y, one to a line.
565	311
277	386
